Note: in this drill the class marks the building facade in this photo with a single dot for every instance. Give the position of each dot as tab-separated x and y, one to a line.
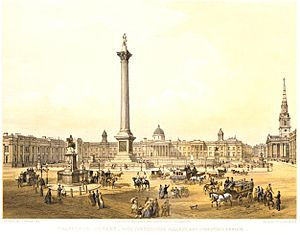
282	147
20	150
23	151
260	150
293	146
160	151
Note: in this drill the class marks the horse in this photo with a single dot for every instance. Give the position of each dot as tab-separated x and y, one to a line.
146	183
208	188
218	185
202	178
218	198
137	182
111	181
196	178
119	174
140	183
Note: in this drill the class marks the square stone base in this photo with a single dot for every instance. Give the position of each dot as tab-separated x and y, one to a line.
71	177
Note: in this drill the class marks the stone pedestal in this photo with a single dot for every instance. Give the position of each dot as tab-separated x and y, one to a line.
71	175
125	149
66	177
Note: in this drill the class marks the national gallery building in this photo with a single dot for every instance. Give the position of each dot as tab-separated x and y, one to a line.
161	151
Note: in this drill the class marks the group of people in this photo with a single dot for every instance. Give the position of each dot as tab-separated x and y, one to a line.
175	192
229	182
163	191
141	175
61	192
150	209
29	176
96	199
267	196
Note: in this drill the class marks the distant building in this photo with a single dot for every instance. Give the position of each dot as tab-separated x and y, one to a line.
293	146
260	150
282	147
19	150
161	151
23	151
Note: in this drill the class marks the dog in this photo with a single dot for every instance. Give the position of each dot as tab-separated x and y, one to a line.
194	207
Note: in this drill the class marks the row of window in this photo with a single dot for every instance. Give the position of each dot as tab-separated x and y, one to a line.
98	149
33	148
228	154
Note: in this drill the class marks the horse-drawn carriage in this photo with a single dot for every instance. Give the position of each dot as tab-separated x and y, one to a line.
221	172
27	178
178	175
198	178
240	190
156	173
237	172
216	174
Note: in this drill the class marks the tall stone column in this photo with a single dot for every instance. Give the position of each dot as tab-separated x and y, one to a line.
125	137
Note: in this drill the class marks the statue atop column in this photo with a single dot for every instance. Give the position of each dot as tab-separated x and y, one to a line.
124	45
124	53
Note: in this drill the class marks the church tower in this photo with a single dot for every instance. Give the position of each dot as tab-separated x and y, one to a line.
284	116
104	137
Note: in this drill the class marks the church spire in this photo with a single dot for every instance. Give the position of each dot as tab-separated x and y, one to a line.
284	99
284	117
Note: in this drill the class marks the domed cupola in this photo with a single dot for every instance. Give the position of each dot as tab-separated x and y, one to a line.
158	134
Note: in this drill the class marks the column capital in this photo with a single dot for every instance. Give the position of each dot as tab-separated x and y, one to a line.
124	55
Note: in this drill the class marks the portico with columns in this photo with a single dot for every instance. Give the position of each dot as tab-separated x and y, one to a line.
278	148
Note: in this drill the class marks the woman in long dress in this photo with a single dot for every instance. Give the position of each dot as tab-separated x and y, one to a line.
48	197
101	200
134	204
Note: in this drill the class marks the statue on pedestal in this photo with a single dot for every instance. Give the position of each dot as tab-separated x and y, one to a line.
71	145
124	45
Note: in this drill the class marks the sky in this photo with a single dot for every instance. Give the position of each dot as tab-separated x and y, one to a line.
197	66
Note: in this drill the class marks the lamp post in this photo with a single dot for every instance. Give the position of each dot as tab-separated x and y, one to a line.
41	171
205	166
46	172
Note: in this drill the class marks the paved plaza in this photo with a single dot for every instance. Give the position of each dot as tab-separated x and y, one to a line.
26	203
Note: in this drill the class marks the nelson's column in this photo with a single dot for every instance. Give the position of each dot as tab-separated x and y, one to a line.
125	138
